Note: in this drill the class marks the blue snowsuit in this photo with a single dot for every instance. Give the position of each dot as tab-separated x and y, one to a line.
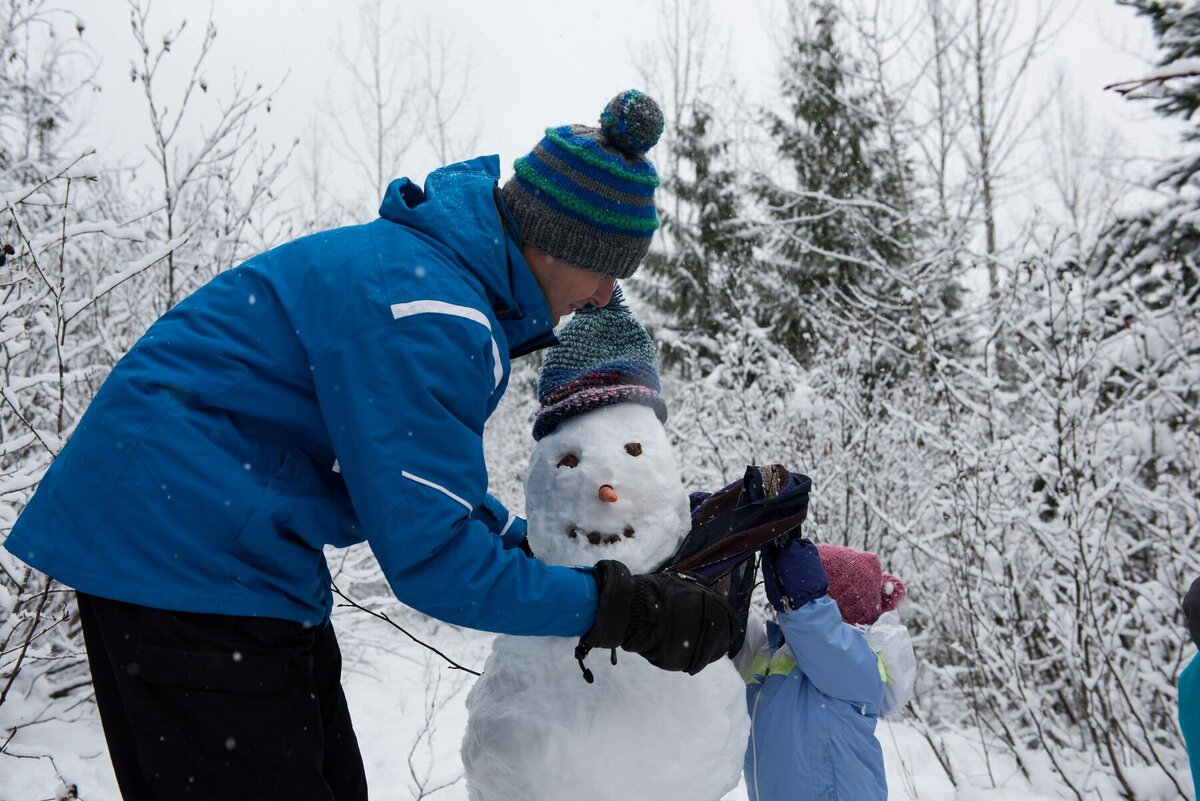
1189	716
814	689
329	391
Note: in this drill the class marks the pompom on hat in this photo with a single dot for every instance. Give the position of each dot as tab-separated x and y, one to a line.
862	589
585	195
604	356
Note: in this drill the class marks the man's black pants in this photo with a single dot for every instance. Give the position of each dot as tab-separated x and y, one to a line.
220	707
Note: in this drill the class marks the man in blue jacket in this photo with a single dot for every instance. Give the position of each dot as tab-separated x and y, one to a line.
330	391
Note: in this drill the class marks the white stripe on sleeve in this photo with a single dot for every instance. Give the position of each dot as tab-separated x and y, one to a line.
437	487
511	519
466	312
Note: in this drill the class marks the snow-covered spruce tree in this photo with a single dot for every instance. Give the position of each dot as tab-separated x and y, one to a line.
1156	248
830	221
696	279
1146	277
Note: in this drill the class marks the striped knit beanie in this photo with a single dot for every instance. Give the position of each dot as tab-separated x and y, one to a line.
862	589
604	356
586	195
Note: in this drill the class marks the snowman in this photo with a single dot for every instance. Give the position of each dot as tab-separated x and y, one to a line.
603	483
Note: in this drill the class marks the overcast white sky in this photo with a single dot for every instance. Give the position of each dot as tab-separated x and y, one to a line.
521	81
535	63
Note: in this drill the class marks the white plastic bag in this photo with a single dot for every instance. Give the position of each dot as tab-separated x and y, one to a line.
889	638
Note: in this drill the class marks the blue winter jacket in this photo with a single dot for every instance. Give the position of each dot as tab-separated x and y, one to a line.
329	391
1189	716
813	690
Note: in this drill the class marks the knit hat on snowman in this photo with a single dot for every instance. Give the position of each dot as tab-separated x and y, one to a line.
603	357
862	589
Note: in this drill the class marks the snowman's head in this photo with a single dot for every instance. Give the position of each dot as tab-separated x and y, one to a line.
605	485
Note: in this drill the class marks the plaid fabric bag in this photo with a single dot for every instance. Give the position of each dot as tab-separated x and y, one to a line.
730	526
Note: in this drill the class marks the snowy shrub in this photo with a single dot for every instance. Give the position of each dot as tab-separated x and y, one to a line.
80	280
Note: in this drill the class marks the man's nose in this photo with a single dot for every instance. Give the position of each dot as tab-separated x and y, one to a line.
607	493
604	295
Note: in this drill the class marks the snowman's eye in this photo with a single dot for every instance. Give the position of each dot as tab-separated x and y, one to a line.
570	460
633	448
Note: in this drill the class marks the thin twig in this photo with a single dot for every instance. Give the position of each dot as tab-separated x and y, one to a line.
4	396
37	616
382	616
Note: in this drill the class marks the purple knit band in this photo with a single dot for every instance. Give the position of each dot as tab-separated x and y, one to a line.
594	398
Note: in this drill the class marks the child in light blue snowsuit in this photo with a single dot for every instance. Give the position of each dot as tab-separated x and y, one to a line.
819	676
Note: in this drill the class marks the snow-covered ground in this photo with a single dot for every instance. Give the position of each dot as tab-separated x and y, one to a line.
409	714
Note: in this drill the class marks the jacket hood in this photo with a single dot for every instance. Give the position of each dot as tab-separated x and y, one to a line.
458	208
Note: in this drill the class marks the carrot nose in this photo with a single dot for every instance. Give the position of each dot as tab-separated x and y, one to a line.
607	493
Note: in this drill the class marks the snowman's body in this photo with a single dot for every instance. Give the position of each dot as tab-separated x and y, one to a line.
604	485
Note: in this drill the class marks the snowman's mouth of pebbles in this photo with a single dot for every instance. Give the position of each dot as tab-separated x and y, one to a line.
599	537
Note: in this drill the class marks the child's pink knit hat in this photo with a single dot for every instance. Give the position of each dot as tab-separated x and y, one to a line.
858	583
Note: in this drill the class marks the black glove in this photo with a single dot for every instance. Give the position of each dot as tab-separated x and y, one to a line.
676	621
